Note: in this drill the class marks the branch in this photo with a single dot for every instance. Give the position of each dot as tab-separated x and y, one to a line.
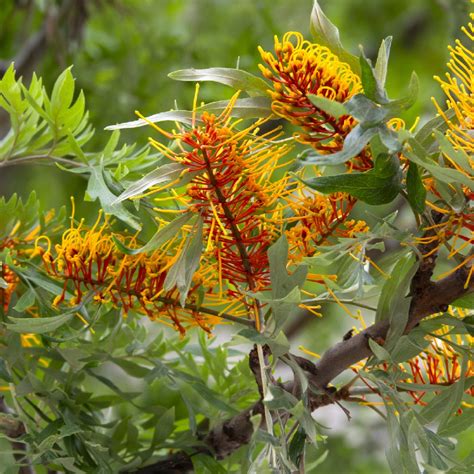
15	429
428	298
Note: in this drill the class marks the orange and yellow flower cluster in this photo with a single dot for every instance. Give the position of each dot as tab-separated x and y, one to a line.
300	69
88	262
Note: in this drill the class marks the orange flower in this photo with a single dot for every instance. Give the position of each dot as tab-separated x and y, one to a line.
316	217
300	68
88	262
438	365
233	189
459	90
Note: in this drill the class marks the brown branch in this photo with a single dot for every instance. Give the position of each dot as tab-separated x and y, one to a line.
14	428
429	298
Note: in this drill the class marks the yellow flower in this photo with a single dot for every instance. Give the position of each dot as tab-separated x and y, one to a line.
234	189
458	87
87	261
300	68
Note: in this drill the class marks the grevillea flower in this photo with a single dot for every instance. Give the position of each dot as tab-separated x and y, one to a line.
459	90
315	218
458	227
301	68
18	241
233	189
439	364
9	277
88	263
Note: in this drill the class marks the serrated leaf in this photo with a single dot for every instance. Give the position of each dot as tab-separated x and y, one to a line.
38	325
379	185
236	78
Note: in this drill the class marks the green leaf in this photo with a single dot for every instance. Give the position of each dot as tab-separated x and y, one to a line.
457	424
381	64
285	287
458	156
279	344
98	189
415	189
372	88
182	271
381	353
38	325
379	185
466	301
205	464
366	111
397	106
165	425
163	174
331	107
3	284
62	95
26	300
409	346
160	237
425	136
297	445
354	143
326	34
447	175
253	107
456	391
236	78
393	303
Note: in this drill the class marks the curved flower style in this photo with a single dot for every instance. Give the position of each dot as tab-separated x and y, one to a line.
9	277
459	90
316	217
233	188
19	240
439	365
88	261
301	68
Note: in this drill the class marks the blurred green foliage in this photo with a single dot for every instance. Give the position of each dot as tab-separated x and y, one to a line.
126	48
